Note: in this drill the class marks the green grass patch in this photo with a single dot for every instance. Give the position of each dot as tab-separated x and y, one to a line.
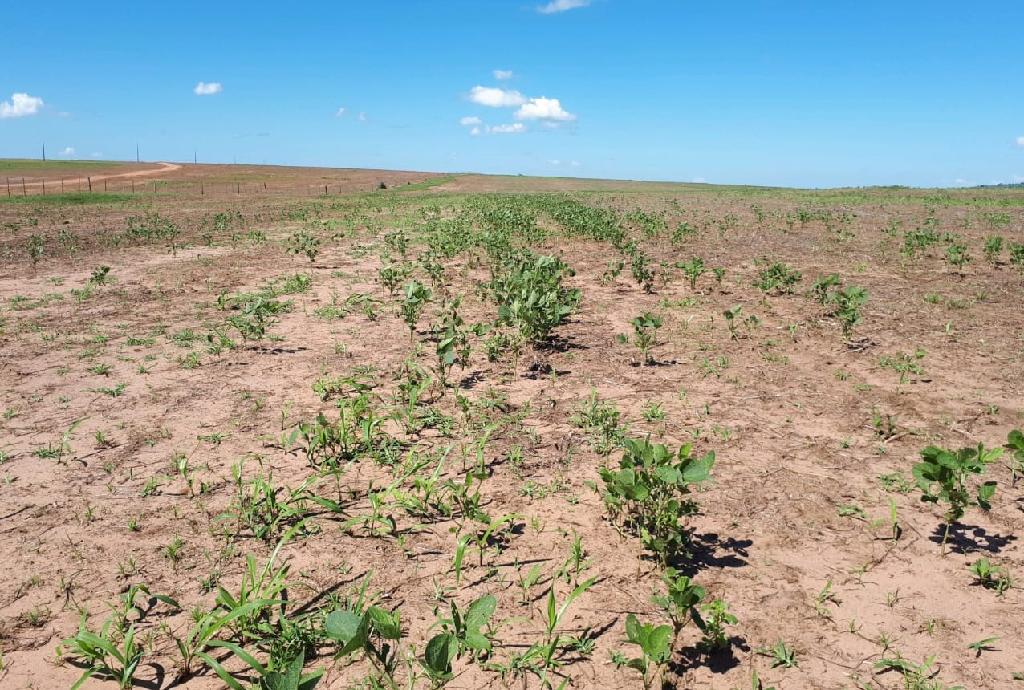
29	166
70	199
425	184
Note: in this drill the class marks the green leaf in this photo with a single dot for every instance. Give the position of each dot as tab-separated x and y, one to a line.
633	632
388	625
348	628
440	651
697	471
480	611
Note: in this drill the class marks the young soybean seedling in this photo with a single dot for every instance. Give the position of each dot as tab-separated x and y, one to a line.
731	316
694	269
680	599
655	643
645	328
1015	445
944	475
711	620
416	298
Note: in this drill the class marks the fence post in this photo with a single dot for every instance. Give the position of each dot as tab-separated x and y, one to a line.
62	185
238	188
44	187
104	184
202	189
133	186
24	192
8	187
90	182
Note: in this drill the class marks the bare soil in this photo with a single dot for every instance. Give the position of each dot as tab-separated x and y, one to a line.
794	529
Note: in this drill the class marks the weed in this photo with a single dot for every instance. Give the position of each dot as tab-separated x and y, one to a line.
781	654
990	576
777	279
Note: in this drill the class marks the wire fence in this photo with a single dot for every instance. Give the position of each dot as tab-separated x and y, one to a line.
26	187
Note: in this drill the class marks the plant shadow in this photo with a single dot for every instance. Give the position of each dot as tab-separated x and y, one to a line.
966	539
711	551
718	661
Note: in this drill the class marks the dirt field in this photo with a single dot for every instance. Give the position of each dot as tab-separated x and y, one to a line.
416	419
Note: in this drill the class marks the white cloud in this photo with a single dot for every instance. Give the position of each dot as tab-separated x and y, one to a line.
555	162
68	151
574	164
549	109
516	128
470	121
496	98
475	131
96	154
1020	142
503	74
556	6
208	88
362	117
339	112
20	105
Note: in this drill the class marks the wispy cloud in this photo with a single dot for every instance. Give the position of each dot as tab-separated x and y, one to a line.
208	88
1020	142
495	98
470	121
556	6
503	74
20	105
68	151
549	109
339	112
515	128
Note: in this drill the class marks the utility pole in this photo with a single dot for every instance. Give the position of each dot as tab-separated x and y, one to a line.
44	152
137	152
195	158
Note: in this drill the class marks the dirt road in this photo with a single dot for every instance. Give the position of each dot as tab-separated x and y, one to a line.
164	168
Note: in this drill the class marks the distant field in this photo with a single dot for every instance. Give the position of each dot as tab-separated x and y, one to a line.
23	166
69	199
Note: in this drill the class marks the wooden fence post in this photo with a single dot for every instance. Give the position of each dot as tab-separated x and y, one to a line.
90	182
23	190
8	187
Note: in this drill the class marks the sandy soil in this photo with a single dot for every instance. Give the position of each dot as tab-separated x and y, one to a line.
794	531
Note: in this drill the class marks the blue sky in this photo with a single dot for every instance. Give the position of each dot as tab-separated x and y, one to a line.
786	93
